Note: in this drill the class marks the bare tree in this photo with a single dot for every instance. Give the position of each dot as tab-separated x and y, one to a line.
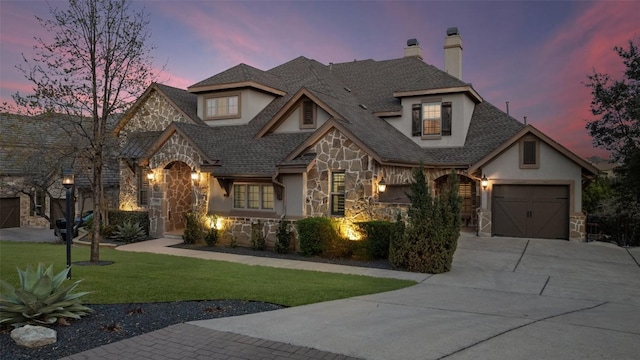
97	63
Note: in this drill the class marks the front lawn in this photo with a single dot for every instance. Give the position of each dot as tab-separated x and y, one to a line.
140	277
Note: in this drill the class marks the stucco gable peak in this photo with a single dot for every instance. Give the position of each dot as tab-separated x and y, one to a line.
531	130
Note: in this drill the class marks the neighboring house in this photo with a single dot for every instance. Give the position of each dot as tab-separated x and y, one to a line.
307	139
605	167
33	151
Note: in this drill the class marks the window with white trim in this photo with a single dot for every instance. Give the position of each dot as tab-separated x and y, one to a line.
222	107
253	196
337	193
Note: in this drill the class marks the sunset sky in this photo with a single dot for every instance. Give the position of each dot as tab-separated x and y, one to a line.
534	54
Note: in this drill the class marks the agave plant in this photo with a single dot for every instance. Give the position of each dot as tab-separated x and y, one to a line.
41	298
129	232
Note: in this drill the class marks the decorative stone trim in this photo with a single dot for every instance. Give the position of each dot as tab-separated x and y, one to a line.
577	229
484	222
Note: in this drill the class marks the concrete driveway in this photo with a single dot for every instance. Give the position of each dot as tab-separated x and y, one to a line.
28	234
506	298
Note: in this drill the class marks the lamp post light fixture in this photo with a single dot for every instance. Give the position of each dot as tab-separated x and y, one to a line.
484	182
68	179
382	186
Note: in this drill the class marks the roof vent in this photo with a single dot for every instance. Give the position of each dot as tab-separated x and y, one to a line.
413	42
452	31
363	106
346	88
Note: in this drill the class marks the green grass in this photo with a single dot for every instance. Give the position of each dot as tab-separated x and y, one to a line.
141	277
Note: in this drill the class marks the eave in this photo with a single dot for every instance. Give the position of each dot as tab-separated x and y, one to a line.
459	89
236	85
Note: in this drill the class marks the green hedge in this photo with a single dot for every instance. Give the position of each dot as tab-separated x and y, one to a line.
119	217
377	236
317	235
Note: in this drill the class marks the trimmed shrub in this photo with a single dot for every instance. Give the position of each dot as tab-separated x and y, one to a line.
315	235
377	236
258	238
397	245
211	235
194	230
283	237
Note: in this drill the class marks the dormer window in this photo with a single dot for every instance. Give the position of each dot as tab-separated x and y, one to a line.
222	106
431	119
308	115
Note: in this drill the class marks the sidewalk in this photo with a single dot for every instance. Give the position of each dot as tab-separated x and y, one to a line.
505	298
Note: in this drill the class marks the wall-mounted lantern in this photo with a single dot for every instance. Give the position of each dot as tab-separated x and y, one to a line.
150	175
195	178
484	182
382	186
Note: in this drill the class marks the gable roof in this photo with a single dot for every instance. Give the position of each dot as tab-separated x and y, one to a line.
181	100
530	129
240	76
355	94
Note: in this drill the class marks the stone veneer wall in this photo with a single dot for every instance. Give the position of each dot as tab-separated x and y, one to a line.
155	114
577	228
172	193
335	152
239	229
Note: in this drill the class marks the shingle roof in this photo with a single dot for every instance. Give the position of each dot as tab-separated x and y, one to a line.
186	101
343	87
238	152
239	74
32	145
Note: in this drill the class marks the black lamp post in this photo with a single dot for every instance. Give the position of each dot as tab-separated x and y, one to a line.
67	181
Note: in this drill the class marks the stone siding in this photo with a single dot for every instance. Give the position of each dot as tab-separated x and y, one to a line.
238	229
335	152
577	228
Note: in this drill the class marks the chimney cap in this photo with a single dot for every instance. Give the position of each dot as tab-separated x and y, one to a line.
413	42
452	31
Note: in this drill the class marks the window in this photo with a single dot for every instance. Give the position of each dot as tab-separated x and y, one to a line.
337	193
253	196
222	107
529	154
308	115
37	203
431	119
143	187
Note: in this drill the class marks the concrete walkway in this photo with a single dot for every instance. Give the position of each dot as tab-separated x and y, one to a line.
505	298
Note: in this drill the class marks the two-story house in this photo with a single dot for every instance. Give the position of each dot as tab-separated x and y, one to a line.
309	139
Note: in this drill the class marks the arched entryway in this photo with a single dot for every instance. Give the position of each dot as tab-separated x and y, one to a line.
178	195
468	191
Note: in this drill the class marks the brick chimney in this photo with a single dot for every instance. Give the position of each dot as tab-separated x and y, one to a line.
413	49
453	53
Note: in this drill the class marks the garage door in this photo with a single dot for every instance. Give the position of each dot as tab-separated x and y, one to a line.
9	212
536	211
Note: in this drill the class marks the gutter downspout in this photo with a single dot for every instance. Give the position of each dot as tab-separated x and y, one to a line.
284	192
